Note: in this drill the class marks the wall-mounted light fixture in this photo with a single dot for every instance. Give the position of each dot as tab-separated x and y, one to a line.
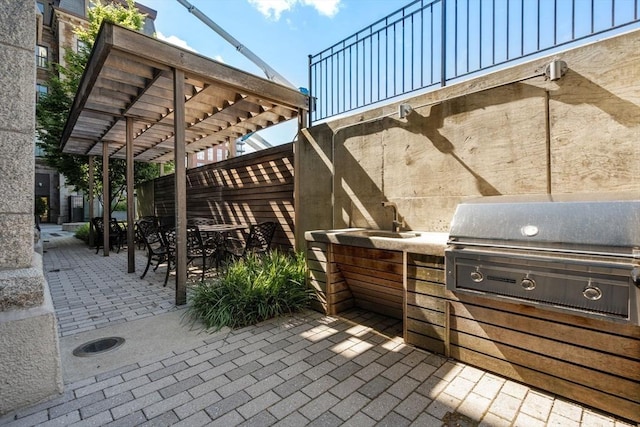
404	110
555	70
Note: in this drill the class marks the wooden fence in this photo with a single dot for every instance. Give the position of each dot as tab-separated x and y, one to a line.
248	189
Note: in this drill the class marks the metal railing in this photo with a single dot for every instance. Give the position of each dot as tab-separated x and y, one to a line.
431	43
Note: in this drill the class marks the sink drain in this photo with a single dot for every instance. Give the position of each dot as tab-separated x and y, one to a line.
98	346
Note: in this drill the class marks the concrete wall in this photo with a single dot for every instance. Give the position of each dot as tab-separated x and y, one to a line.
29	355
510	132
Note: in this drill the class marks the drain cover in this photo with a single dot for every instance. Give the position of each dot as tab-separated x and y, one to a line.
98	346
454	419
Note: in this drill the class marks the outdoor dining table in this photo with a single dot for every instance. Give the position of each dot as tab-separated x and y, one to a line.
219	232
222	228
216	237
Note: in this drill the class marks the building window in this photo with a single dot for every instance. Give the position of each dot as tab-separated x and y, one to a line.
80	46
41	90
40	6
42	56
39	151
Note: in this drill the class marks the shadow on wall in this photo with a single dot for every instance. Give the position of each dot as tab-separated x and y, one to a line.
358	193
429	127
573	89
587	92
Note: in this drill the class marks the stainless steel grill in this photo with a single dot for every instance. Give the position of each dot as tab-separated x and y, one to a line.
563	252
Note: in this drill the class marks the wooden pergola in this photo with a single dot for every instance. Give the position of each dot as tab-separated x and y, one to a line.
142	99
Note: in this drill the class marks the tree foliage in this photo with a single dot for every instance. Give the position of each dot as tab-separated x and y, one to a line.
52	108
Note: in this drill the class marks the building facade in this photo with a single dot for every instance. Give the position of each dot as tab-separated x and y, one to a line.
59	18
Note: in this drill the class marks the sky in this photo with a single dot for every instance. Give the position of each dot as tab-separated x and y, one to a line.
283	33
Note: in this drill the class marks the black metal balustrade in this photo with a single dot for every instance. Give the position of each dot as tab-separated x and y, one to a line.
431	43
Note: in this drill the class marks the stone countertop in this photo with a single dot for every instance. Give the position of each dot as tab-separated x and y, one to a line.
414	241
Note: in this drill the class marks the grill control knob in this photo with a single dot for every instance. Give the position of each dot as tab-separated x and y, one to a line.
528	284
476	276
592	293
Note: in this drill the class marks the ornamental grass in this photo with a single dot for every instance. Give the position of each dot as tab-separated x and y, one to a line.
251	290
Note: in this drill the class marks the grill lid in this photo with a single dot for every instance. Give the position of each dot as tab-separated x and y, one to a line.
591	223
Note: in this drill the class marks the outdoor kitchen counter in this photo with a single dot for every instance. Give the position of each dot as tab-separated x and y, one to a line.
366	268
423	242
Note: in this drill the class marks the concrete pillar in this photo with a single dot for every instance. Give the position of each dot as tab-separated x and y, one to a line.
29	355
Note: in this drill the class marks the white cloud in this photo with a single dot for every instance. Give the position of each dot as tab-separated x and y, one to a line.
174	40
273	9
324	7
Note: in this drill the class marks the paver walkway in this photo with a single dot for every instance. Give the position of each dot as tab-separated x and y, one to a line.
90	290
307	369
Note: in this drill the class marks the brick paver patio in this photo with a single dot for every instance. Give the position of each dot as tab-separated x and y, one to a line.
307	369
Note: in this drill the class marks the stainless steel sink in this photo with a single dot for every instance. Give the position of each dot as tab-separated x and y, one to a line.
384	234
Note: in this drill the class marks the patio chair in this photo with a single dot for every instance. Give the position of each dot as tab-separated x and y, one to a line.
200	220
212	241
195	249
148	218
115	233
258	241
119	229
148	232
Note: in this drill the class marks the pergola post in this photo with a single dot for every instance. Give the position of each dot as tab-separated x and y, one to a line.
105	198
180	186
131	247
91	198
302	123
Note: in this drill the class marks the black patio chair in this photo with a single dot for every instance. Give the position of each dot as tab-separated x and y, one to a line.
195	249
212	241
149	233
147	218
115	233
258	241
200	220
119	229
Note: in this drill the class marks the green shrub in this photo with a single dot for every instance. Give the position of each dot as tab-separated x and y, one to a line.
82	233
121	206
252	290
40	206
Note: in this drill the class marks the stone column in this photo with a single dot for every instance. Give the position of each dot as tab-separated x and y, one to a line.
29	356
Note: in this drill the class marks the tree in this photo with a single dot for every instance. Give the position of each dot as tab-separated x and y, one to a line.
52	109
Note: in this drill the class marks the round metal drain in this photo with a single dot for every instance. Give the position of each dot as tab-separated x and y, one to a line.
99	346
